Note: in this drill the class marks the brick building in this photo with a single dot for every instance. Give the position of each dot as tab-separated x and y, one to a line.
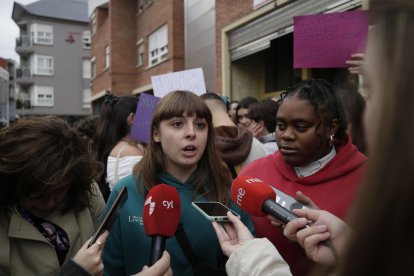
133	40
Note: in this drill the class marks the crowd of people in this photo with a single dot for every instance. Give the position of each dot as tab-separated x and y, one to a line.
345	157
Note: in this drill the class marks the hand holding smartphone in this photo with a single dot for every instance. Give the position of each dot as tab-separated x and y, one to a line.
213	211
112	214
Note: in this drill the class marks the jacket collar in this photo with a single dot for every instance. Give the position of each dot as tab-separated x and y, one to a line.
20	228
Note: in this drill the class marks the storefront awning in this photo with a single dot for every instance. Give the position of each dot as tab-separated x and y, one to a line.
257	35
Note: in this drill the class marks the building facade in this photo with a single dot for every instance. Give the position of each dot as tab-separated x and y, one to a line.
5	93
245	47
133	40
254	46
200	38
54	48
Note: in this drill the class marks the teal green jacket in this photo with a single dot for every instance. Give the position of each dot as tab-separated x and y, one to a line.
127	249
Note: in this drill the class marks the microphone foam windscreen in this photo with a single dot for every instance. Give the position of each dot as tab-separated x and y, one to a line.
162	210
250	193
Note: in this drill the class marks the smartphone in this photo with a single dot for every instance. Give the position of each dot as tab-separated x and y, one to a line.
111	216
213	211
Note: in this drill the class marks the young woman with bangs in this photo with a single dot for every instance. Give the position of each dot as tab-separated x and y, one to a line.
181	153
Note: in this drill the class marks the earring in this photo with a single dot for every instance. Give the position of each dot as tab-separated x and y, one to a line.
331	140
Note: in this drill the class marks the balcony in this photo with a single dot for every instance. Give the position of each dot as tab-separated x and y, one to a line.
23	104
24	76
24	45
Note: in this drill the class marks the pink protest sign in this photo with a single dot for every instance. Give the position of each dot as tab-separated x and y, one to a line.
328	40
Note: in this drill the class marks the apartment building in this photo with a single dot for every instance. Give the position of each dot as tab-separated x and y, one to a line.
4	93
254	45
54	48
7	92
133	40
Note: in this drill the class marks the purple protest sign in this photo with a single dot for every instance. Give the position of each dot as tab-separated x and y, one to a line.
328	40
143	116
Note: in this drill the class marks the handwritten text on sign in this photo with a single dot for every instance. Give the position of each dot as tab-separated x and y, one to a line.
141	129
328	40
191	80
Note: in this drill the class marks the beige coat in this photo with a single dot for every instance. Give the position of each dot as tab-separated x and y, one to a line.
257	257
23	249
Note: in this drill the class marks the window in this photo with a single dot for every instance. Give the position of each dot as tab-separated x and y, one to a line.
42	95
86	98
42	65
107	56
86	39
86	68
42	34
158	46
142	4
93	23
140	54
93	68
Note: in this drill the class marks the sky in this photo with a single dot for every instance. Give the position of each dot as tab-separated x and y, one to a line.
8	29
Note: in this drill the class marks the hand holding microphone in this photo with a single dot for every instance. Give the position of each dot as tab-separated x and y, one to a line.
160	268
326	227
301	201
161	216
258	199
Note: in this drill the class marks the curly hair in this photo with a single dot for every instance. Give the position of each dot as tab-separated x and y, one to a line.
324	100
38	153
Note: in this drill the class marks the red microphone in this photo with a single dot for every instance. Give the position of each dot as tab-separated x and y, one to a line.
258	199
161	216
